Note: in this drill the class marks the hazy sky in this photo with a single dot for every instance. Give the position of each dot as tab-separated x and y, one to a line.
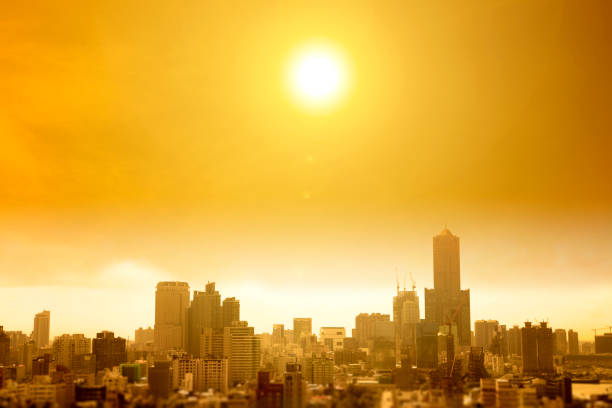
147	140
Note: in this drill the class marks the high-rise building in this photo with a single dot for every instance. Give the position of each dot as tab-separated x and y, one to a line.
67	346
573	343
372	326
318	370
514	341
406	315
332	337
211	343
204	313
294	387
5	347
302	328
231	311
40	335
243	350
171	304
484	333
109	350
427	344
545	348
560	342
278	334
144	336
529	347
211	373
603	343
446	302
160	379
537	348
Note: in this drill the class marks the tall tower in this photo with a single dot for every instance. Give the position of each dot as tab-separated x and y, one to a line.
446	267
302	328
231	311
171	304
204	313
42	322
446	303
406	315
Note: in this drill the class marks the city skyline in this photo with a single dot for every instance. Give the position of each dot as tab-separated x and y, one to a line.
376	301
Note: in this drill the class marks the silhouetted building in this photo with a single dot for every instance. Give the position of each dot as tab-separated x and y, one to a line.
84	364
42	323
204	313
529	347
159	378
268	394
559	342
231	311
514	341
484	333
572	342
109	350
294	391
446	301
171	304
94	393
406	315
5	347
545	348
427	344
603	343
476	369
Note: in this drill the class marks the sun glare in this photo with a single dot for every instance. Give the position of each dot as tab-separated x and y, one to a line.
317	76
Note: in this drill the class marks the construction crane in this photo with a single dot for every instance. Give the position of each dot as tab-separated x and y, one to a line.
602	328
412	281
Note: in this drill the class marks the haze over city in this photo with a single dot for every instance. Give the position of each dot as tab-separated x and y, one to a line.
303	155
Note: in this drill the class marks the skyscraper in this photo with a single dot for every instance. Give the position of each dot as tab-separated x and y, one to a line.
171	304
560	342
243	350
545	348
42	322
231	311
514	341
529	347
446	302
5	346
537	348
66	347
406	315
109	350
484	333
278	334
204	313
372	326
573	344
302	328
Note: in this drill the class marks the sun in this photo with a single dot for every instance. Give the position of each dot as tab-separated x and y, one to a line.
318	76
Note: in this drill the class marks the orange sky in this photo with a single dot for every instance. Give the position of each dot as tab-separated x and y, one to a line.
159	141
